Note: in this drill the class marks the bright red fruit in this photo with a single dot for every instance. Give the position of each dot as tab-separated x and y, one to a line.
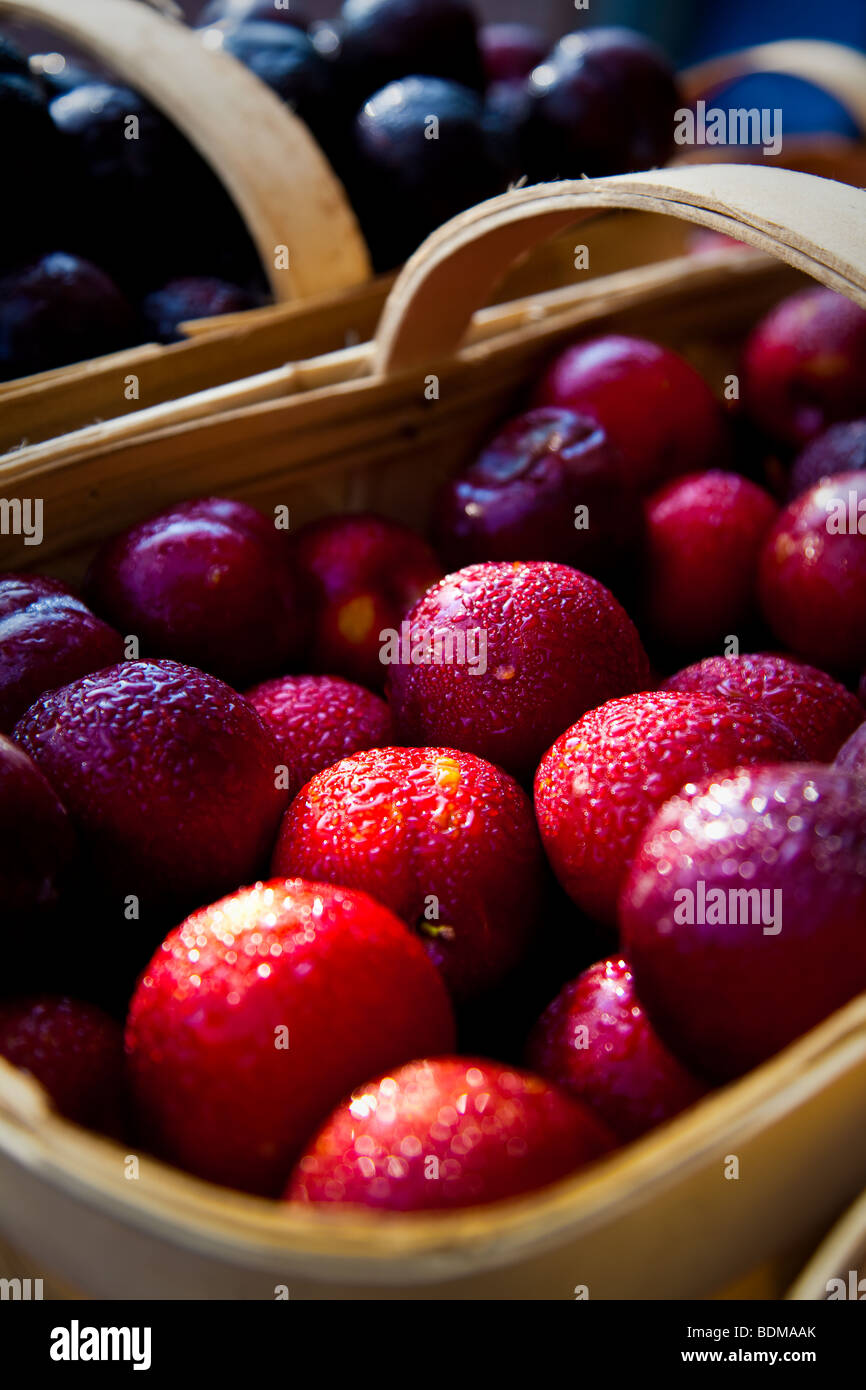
596	1042
602	781
533	645
36	838
258	1014
209	582
365	572
653	405
444	839
316	720
804	365
47	638
818	711
743	912
812	582
704	536
74	1050
548	486
168	774
447	1133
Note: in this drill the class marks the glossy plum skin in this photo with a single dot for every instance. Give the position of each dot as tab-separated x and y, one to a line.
75	1051
510	51
285	59
556	643
819	712
167	773
602	781
48	637
493	1131
812	582
210	582
407	823
596	1042
518	500
37	843
727	996
653	405
399	164
603	103
330	970
840	449
57	310
196	297
317	720
804	365
381	40
703	541
852	755
365	573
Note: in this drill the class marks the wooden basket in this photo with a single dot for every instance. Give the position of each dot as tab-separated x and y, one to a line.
659	1219
326	299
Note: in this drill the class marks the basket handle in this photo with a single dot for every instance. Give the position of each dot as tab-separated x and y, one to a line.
815	224
837	69
216	102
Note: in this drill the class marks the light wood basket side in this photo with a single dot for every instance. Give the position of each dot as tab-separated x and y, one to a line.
271	166
816	225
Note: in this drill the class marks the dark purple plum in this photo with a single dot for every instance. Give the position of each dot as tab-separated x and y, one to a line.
510	51
12	61
48	637
522	499
382	40
603	103
743	912
210	582
57	310
196	297
410	180
37	842
840	449
154	209
242	11
35	172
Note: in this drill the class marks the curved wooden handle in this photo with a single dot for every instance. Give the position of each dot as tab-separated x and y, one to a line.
836	69
815	224
271	166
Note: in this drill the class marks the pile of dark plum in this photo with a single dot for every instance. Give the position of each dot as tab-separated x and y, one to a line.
114	241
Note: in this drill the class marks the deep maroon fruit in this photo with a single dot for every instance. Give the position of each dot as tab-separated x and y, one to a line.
242	11
804	365
500	657
704	535
365	572
74	1050
596	1042
317	720
743	912
818	711
210	582
653	405
812	582
36	839
603	103
169	777
447	1133
258	1014
381	40
604	779
840	449
413	174
444	839
196	297
510	51
852	755
48	637
548	486
58	310
133	162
